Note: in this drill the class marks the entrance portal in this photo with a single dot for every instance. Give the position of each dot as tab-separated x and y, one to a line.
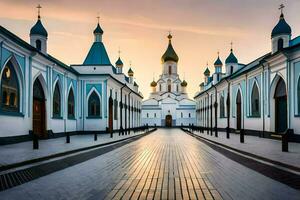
168	120
39	110
280	107
238	111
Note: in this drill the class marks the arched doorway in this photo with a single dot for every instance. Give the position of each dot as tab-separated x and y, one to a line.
238	111
168	120
280	107
39	110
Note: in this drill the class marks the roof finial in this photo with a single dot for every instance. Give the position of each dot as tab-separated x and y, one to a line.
39	11
218	53
98	17
170	36
231	44
119	52
281	7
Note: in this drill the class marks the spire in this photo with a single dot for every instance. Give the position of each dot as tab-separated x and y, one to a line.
231	58
170	54
282	27
119	62
38	28
218	62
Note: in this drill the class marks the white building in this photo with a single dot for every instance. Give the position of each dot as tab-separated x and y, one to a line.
262	97
41	95
168	104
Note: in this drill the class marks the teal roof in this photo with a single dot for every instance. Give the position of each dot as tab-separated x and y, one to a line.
98	29
281	28
218	62
170	54
207	72
119	62
97	55
130	71
39	29
231	58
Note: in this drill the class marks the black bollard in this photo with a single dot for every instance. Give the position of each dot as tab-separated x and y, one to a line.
35	141
67	137
227	132
216	132
95	137
111	134
285	143
242	135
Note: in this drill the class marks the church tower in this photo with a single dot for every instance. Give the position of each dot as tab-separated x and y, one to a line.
39	35
169	60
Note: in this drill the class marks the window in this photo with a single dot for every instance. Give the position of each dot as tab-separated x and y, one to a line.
94	105
255	104
116	109
38	45
160	87
9	89
181	115
189	115
56	101
222	107
71	105
154	114
147	115
170	69
299	96
280	44
231	69
169	85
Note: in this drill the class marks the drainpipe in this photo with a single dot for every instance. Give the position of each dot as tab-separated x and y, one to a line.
263	102
211	115
129	112
207	113
228	110
121	107
216	112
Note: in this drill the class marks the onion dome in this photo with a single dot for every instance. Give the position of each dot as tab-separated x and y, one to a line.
207	72
281	28
183	83
98	30
119	63
231	58
153	84
130	72
218	62
39	29
170	54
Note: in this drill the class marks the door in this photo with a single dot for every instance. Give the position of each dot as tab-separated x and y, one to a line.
110	114
39	110
169	121
280	107
238	111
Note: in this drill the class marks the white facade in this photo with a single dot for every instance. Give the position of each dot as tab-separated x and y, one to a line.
168	98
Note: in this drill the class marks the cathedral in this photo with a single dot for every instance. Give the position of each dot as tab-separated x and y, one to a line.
168	104
262	97
43	96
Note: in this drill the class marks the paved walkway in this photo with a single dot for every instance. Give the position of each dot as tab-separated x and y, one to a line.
167	164
15	153
267	148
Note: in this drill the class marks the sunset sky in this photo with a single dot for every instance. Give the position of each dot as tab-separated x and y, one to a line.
200	28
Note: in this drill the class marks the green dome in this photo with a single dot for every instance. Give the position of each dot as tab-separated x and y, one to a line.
39	29
119	62
218	62
153	84
170	54
281	28
231	58
207	72
130	72
98	30
183	83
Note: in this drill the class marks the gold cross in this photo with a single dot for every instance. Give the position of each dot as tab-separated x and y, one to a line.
98	18
231	44
281	6
119	52
39	10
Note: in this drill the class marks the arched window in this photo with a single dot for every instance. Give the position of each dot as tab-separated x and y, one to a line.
255	103
94	105
181	115
280	44
169	86
299	96
160	87
222	107
147	115
38	44
71	105
9	89
177	88
231	69
116	109
170	69
56	101
189	115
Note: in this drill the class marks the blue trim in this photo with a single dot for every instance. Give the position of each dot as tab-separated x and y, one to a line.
57	117
93	117
15	114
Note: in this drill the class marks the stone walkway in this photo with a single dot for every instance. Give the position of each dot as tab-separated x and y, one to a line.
267	148
15	153
167	164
